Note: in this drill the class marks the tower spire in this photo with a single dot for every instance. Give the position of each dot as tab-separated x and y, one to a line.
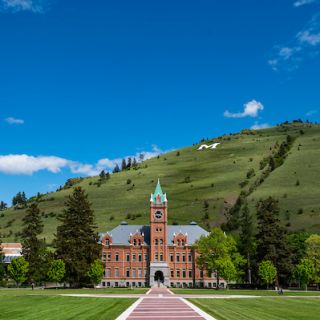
158	194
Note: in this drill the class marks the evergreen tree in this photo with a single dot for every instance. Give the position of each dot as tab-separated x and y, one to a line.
102	175
123	165
134	163
3	205
1	261
33	249
247	242
76	240
116	169
272	239
129	163
20	200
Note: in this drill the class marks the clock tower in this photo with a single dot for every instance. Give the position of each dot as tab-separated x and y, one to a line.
159	270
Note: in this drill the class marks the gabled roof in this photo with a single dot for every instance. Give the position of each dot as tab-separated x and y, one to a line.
121	234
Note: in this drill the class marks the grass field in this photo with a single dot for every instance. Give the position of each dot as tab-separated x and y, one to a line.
245	292
6	292
197	176
58	308
261	309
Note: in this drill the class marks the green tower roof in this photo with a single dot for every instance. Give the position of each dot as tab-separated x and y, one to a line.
158	191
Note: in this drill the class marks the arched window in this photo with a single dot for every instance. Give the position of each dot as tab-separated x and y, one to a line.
107	242
156	242
178	243
134	242
161	241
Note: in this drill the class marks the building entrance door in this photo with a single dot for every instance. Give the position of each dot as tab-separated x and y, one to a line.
158	277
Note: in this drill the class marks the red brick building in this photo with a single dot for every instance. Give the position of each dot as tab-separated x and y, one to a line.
144	255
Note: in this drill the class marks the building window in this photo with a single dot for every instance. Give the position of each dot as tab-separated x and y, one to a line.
133	257
116	273
128	273
161	241
178	257
109	257
140	273
134	273
156	257
190	273
172	273
184	258
171	257
161	256
145	272
139	242
128	257
183	273
178	273
145	257
134	242
104	257
182	242
108	273
189	257
117	256
107	242
140	257
156	242
178	243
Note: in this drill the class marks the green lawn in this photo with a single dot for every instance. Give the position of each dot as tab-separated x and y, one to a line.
28	291
261	309
57	308
245	292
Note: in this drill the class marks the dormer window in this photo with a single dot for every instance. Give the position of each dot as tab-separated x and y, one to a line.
107	242
134	242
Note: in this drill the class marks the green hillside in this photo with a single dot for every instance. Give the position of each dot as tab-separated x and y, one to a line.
200	185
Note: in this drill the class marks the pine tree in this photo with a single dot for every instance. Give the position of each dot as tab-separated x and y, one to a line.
129	163
123	165
1	261
271	239
102	175
134	163
3	205
247	239
76	240
116	169
33	249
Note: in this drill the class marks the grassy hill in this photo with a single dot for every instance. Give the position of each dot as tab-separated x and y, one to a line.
200	185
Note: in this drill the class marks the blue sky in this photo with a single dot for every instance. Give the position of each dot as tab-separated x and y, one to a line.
84	83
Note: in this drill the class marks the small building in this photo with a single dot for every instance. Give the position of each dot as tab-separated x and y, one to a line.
11	251
148	255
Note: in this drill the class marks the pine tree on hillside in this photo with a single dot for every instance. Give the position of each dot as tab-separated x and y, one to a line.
247	242
3	205
102	175
33	248
272	241
116	169
134	163
1	260
123	165
76	240
129	163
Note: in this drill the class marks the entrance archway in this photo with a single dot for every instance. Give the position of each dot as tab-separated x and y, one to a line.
158	277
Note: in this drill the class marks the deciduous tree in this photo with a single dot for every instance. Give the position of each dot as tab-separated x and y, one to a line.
18	270
95	272
56	270
267	272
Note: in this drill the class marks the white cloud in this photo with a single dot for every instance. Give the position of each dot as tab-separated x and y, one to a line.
35	6
22	164
303	45
308	37
300	3
251	109
12	120
258	126
311	113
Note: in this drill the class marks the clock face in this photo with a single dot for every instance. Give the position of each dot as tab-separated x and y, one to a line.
158	215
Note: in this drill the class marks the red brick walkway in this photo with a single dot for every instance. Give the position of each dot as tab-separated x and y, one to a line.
161	304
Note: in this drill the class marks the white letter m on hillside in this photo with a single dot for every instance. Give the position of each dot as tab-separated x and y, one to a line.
211	146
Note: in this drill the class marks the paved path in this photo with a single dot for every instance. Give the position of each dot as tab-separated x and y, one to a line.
162	304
